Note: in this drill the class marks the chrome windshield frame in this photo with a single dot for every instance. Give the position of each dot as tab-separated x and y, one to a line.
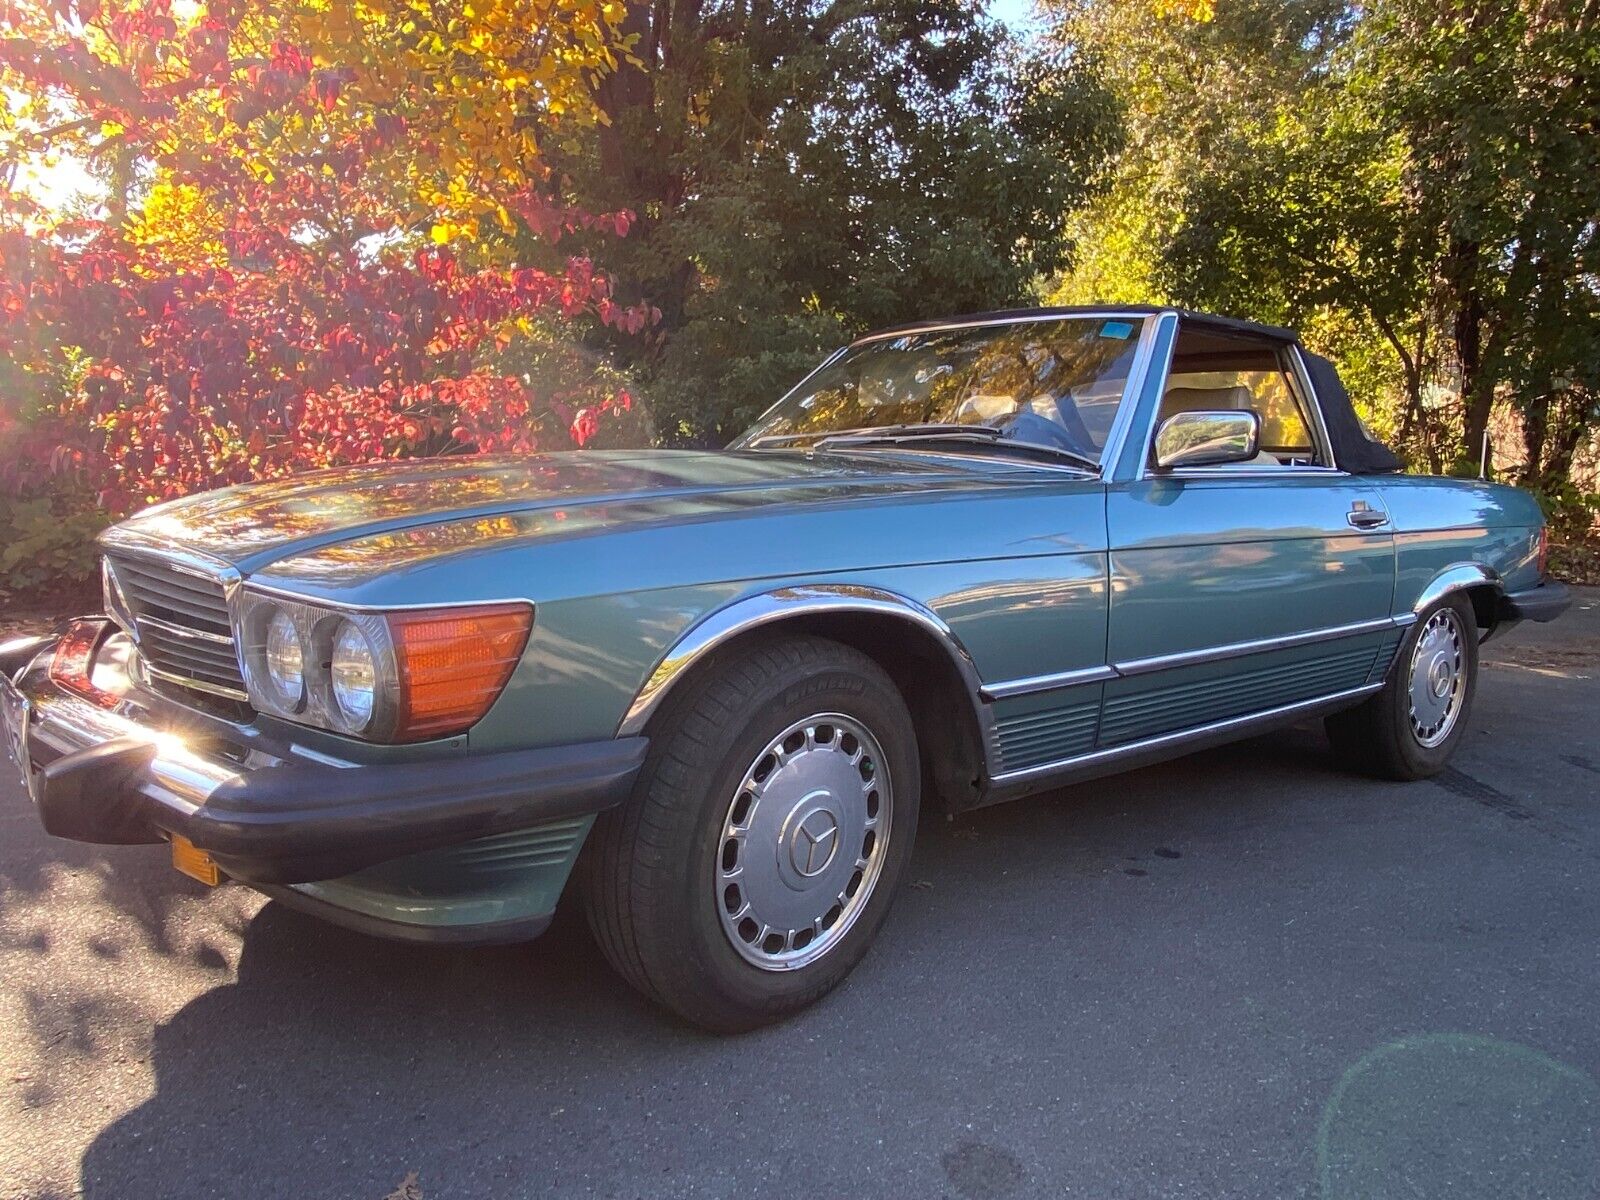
1116	436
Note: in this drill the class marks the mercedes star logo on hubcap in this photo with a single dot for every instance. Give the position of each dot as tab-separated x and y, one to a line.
814	842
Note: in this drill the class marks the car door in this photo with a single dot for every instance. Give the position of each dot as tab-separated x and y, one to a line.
1245	588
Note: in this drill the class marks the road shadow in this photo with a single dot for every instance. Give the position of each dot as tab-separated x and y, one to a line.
336	1063
335	1059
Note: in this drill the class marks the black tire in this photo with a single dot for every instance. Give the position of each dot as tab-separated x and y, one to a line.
649	871
1379	736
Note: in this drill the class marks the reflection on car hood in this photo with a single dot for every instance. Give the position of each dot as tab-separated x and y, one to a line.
357	519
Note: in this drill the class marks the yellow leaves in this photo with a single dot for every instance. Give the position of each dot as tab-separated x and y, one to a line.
451	102
179	222
445	232
1200	11
466	76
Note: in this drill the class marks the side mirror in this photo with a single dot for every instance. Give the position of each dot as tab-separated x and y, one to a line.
1207	439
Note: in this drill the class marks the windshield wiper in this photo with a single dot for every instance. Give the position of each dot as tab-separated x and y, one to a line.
872	432
981	435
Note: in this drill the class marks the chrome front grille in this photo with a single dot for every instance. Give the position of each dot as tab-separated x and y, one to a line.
180	621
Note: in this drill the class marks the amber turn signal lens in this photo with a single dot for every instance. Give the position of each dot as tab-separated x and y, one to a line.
453	664
1544	551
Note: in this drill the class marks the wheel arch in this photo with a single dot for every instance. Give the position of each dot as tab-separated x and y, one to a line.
933	671
1481	584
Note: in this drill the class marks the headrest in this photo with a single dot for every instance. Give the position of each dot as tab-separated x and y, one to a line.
1237	398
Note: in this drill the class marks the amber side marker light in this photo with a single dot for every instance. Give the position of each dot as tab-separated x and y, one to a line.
453	664
1544	551
195	862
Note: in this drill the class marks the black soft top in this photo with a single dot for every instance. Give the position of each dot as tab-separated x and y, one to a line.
1354	447
999	316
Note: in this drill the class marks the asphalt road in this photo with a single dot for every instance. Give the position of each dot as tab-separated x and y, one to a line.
1245	974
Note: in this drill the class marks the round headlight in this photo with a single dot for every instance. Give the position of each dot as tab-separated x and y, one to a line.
285	660
354	675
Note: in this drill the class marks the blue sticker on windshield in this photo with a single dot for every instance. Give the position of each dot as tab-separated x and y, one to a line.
1122	330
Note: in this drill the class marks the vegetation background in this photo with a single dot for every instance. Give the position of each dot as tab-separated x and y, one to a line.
241	239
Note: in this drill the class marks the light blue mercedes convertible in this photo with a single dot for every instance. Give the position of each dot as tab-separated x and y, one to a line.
709	694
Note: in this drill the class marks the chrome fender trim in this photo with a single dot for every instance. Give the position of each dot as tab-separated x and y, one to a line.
1454	578
752	612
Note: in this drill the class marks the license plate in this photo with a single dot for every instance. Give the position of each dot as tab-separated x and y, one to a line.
194	862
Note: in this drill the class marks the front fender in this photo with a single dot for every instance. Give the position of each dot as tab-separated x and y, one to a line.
786	603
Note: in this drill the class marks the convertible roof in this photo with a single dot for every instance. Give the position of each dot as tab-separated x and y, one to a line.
1230	324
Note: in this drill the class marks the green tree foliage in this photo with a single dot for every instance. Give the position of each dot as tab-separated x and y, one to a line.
803	170
1415	184
1186	80
1498	102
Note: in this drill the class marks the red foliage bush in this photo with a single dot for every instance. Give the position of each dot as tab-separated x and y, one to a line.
148	383
253	312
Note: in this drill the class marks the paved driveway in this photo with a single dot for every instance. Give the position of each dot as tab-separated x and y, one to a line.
1245	974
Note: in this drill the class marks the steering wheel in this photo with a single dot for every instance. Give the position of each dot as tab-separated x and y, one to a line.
1069	433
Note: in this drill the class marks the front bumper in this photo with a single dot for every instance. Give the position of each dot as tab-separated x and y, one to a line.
1543	603
125	766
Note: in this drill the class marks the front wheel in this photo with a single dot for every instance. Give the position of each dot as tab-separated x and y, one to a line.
1410	729
757	858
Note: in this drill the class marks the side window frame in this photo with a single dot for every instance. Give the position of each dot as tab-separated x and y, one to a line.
1302	394
1300	380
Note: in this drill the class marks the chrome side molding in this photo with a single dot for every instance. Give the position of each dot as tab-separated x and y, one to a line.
1046	683
1011	784
1162	662
1189	658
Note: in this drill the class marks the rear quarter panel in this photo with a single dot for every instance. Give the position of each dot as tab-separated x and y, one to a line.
1439	523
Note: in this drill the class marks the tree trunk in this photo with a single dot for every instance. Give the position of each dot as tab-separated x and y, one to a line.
1566	432
1477	390
627	97
1535	428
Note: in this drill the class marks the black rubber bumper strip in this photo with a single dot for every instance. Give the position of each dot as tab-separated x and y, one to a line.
1543	603
301	822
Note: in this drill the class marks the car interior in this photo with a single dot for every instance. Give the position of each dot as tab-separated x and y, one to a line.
1216	371
1212	370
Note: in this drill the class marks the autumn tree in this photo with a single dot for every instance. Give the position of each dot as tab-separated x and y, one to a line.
323	234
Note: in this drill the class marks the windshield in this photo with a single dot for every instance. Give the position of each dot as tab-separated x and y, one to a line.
1041	383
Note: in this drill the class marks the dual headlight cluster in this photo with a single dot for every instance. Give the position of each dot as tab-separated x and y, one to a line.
394	676
314	665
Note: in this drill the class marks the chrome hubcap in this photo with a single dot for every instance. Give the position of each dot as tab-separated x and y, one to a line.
803	842
1438	678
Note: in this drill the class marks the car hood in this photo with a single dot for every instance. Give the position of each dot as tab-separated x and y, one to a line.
344	520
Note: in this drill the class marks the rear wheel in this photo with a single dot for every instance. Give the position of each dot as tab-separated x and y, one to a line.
759	853
1410	729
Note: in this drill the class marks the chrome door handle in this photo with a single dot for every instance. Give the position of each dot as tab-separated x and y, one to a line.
1364	516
